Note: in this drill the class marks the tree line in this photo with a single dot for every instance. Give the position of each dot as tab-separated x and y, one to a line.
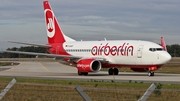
25	49
173	50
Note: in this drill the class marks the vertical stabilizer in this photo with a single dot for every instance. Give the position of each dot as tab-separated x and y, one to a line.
54	32
163	44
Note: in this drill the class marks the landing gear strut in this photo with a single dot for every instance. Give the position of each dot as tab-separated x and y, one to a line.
113	71
150	73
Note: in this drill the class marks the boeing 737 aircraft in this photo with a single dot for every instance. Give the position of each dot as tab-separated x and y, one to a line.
91	56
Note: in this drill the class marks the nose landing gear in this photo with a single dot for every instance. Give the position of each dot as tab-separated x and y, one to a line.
150	73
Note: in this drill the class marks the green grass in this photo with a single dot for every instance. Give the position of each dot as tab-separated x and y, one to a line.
29	89
5	63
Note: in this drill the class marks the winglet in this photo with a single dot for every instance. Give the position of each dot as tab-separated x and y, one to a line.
163	44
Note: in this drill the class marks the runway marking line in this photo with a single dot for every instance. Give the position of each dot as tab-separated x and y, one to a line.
11	68
8	69
45	68
66	65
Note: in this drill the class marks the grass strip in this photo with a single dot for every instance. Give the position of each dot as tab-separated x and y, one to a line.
29	89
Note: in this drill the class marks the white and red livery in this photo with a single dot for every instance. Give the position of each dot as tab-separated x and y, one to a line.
91	56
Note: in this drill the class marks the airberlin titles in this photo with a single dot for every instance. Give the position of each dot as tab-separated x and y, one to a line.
124	50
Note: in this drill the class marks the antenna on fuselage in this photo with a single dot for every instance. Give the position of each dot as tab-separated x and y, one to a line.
105	39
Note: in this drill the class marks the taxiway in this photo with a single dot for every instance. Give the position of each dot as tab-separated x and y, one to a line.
56	70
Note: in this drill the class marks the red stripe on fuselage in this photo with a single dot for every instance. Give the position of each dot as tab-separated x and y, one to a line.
106	65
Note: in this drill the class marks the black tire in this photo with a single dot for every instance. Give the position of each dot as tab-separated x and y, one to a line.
116	71
110	71
80	73
85	73
150	73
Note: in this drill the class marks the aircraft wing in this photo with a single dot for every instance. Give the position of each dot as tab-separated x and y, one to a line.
45	46
42	54
55	55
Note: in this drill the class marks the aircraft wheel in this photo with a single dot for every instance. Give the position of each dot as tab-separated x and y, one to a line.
116	71
110	71
85	73
150	73
80	73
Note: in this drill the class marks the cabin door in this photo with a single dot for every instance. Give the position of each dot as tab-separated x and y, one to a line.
139	51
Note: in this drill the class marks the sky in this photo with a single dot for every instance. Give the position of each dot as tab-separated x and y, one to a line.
23	20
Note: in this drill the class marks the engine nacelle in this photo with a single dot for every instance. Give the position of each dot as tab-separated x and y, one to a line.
88	65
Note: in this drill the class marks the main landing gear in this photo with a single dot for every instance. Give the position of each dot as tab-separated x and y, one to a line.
113	71
82	73
150	73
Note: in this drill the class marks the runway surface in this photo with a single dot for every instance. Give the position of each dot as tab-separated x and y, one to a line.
56	70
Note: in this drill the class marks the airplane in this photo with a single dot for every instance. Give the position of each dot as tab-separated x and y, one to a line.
91	56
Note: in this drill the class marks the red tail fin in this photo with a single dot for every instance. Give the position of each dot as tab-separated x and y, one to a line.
163	43
54	32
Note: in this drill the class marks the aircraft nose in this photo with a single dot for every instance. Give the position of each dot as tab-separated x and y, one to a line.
166	57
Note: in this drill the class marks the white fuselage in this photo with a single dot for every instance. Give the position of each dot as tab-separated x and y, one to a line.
123	52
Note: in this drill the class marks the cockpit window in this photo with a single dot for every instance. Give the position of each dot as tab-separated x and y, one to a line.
156	49
159	49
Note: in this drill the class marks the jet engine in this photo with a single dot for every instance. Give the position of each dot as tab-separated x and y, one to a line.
88	65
